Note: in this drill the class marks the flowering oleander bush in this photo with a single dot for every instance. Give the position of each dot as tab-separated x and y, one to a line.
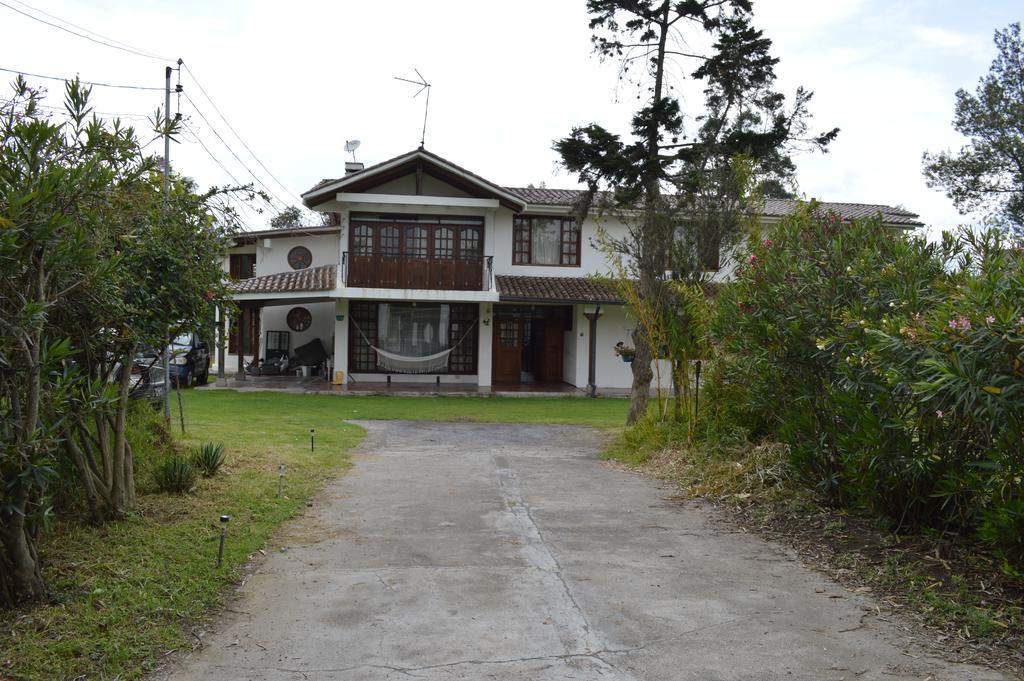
893	367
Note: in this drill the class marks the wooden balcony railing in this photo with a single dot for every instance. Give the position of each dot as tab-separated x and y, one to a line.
413	272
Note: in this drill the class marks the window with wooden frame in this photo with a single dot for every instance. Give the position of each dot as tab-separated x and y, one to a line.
242	266
244	332
378	324
469	244
444	243
362	356
462	327
362	240
416	242
543	240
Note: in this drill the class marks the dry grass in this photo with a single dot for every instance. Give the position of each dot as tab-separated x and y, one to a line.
963	603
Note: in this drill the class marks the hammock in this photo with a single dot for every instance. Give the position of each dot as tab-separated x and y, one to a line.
405	364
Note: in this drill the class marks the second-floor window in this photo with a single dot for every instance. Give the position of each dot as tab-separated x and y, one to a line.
243	266
545	241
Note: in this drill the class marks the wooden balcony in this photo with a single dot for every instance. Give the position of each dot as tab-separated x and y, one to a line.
403	271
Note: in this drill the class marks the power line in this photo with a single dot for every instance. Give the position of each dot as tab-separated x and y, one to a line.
209	153
64	112
81	28
85	82
237	136
130	50
240	161
216	160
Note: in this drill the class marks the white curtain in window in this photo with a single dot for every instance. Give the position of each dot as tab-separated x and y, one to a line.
412	330
547	241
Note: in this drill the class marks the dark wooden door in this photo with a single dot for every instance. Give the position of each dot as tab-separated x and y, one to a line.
442	265
507	354
551	354
468	269
361	257
389	255
416	254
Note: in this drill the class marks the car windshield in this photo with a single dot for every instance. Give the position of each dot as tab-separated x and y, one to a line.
183	341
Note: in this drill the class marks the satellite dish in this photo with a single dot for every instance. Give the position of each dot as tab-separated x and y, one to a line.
351	146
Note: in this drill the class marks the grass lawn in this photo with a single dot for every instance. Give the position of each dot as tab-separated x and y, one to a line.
130	591
598	413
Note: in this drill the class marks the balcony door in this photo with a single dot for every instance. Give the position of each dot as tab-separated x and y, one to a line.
441	254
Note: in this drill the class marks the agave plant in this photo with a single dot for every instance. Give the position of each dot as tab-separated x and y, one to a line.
175	475
208	458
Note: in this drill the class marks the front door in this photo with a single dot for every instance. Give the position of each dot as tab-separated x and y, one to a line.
508	355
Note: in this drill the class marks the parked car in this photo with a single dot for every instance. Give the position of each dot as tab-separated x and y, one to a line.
190	360
147	379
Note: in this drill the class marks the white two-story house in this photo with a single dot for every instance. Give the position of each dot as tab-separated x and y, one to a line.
430	273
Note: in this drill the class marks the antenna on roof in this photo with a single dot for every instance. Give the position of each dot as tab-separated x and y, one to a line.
424	85
350	147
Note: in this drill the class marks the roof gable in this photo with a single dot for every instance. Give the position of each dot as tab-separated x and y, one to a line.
416	162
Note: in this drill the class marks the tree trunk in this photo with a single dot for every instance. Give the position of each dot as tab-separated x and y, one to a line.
681	394
642	375
652	248
85	475
21	580
123	492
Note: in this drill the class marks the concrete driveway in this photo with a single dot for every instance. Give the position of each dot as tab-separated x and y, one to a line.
478	551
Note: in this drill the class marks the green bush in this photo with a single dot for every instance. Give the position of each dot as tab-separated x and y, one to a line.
175	475
893	367
208	458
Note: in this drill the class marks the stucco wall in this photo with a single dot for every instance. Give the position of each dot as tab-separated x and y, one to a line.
592	260
614	325
274	258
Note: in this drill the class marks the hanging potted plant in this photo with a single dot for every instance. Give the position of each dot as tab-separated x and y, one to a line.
626	352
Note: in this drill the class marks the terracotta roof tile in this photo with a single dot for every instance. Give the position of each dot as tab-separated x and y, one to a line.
556	290
321	278
776	208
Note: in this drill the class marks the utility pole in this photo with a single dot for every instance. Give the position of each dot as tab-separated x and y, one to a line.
167	199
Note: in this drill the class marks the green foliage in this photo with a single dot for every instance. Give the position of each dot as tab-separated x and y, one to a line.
96	261
208	458
681	190
894	368
175	475
128	591
987	174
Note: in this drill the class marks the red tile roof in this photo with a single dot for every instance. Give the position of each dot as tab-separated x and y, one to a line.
773	208
321	278
556	290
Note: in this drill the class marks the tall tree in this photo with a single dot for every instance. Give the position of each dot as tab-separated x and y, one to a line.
87	243
680	181
987	174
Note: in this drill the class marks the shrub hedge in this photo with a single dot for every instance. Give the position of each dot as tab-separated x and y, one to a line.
893	367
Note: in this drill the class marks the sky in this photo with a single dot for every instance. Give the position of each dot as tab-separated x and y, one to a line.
295	80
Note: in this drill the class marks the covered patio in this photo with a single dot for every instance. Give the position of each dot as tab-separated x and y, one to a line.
285	325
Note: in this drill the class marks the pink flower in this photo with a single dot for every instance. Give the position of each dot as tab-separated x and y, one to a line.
990	320
960	322
767	243
752	260
939	413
